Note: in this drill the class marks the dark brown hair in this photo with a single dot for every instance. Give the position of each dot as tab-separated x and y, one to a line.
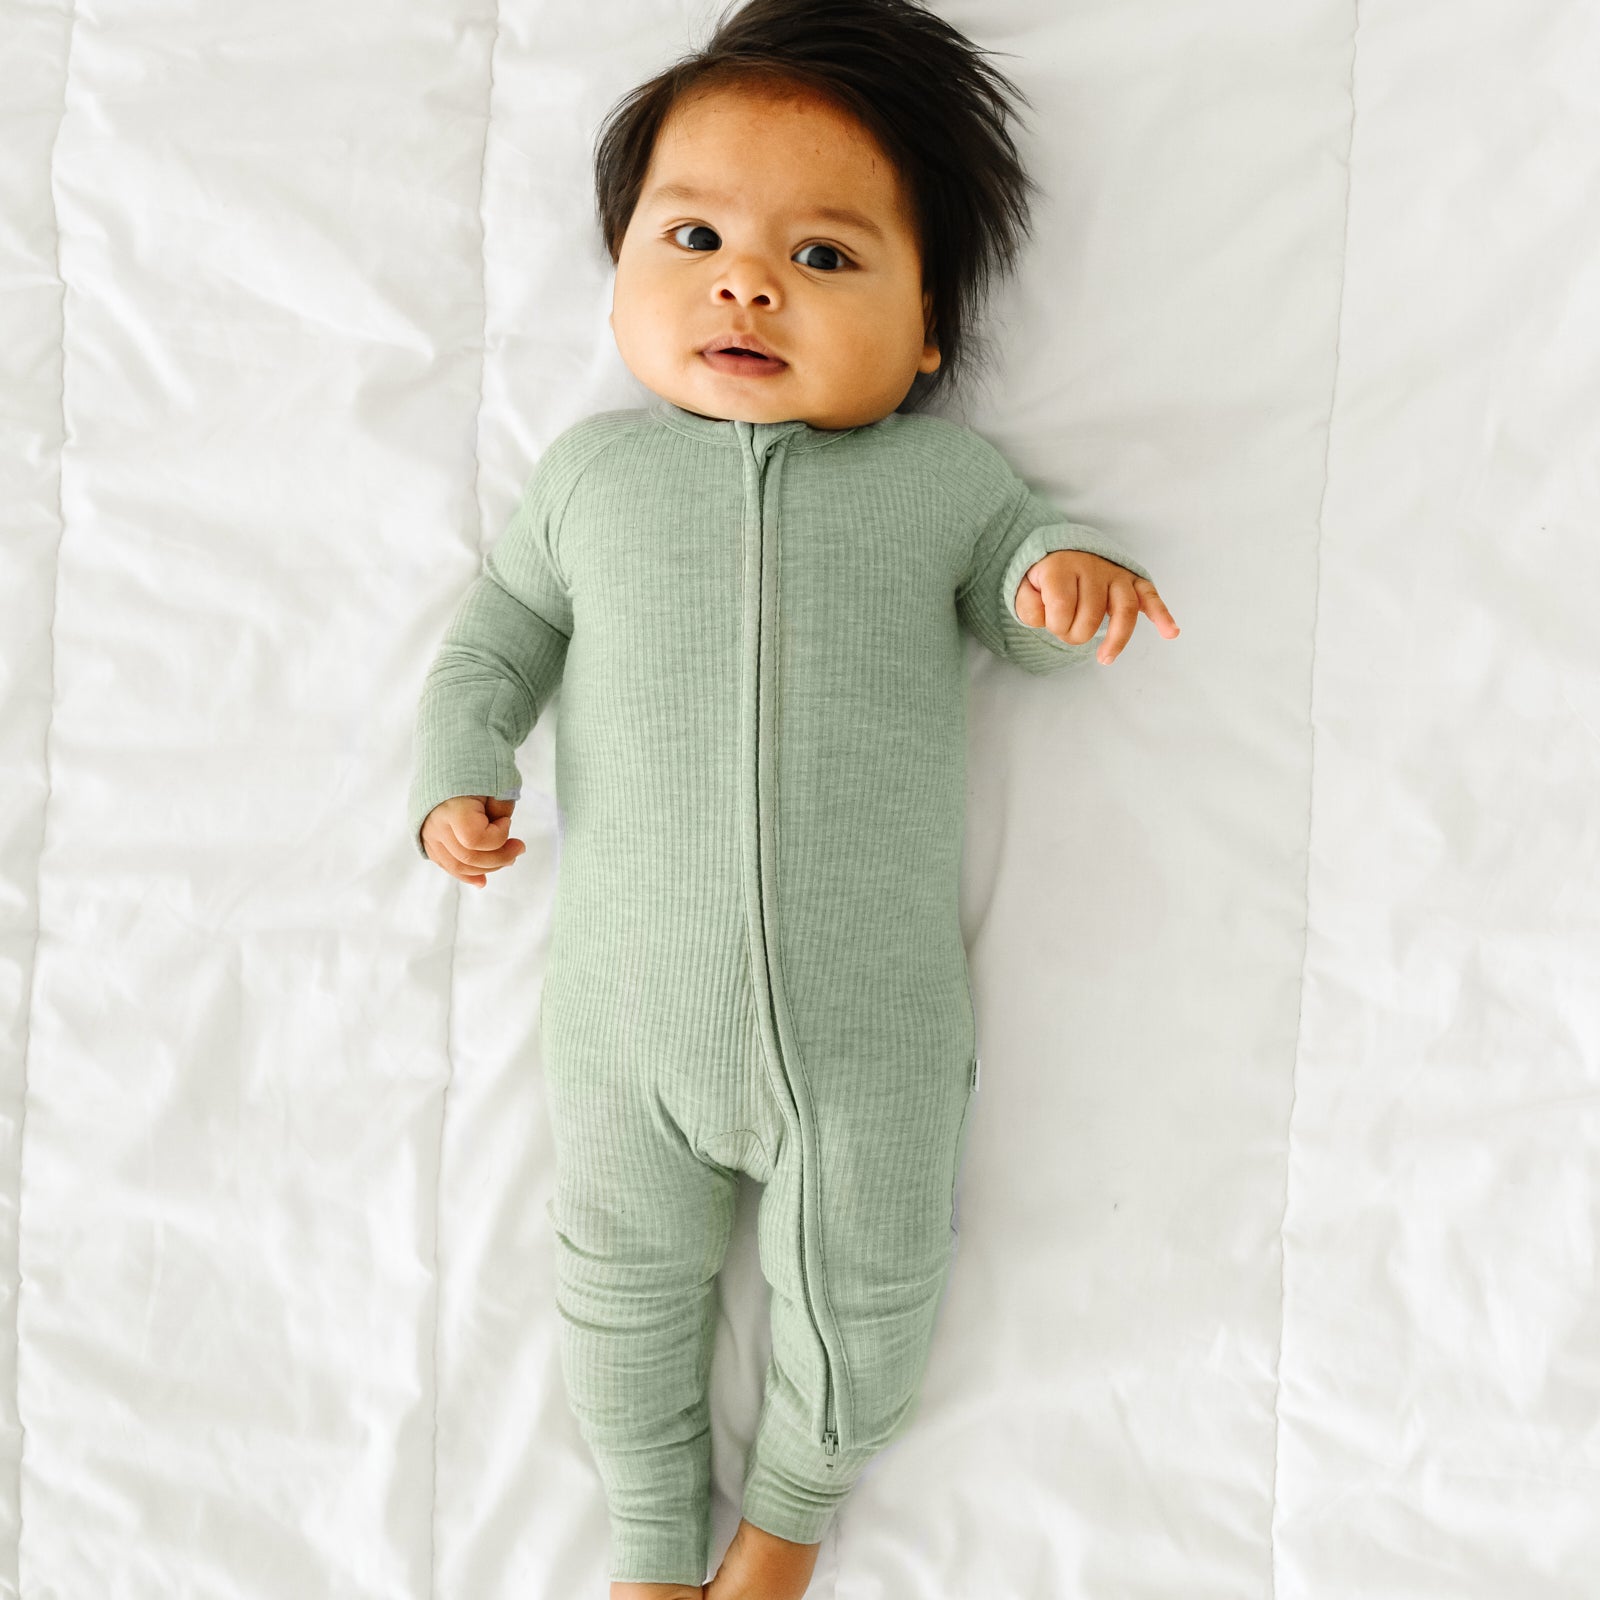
922	89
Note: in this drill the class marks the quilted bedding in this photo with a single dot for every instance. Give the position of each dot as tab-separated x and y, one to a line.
1277	1272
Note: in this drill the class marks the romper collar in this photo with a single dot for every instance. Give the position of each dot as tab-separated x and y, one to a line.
716	430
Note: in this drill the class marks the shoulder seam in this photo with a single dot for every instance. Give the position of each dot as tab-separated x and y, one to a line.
615	432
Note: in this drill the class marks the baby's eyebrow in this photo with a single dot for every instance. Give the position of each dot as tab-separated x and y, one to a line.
843	215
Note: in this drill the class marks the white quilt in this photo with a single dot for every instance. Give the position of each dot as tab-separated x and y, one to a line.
1277	1274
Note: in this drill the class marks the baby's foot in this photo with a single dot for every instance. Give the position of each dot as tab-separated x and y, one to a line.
761	1566
657	1591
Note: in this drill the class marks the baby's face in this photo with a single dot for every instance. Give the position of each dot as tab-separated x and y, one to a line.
839	300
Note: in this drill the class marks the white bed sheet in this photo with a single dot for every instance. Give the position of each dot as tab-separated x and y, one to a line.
1277	1269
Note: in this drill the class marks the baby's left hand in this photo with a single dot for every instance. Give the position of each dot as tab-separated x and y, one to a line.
1070	591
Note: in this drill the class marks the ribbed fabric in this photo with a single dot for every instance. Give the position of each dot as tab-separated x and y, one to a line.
756	963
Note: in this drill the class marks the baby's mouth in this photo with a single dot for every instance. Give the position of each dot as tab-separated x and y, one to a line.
736	359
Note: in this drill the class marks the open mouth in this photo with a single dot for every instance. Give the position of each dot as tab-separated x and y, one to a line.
745	363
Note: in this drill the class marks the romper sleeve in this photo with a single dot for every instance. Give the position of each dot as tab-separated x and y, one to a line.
502	654
1015	526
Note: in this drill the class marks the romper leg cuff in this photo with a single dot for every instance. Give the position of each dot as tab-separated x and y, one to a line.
672	1550
791	1488
774	1509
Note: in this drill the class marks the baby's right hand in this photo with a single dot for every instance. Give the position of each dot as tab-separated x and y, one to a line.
466	836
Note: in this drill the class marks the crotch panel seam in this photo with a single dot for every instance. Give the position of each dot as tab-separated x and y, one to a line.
737	1133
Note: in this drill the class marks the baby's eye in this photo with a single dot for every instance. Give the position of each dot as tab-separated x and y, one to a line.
696	227
838	255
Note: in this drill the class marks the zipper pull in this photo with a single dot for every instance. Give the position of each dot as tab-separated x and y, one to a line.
830	1443
975	1073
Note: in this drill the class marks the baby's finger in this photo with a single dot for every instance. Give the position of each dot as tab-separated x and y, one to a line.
439	854
1083	618
1028	606
1066	600
1124	614
476	843
481	860
1155	608
474	831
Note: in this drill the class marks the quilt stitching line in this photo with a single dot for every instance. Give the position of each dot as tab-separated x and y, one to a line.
455	924
44	817
1311	729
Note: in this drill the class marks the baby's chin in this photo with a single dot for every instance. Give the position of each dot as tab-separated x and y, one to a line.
729	398
735	406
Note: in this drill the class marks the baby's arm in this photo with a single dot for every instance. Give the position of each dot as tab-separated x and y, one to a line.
1017	529
492	677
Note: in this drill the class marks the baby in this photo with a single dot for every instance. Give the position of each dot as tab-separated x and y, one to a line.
754	593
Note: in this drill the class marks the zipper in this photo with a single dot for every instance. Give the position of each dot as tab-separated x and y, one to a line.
972	1089
830	1434
973	1010
830	1428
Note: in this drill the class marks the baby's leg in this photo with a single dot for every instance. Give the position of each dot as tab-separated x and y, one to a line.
642	1225
884	1235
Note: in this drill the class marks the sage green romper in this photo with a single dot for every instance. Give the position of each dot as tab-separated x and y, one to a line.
755	962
